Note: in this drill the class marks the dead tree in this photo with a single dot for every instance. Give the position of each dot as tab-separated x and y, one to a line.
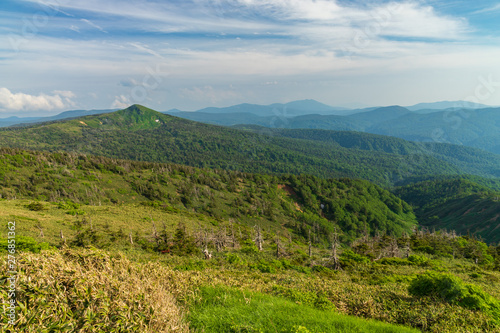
63	239
277	245
309	241
208	255
258	238
335	258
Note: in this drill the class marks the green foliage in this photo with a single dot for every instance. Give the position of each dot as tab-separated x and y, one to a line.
35	206
319	301
300	203
225	310
349	258
176	140
192	265
452	289
459	204
25	244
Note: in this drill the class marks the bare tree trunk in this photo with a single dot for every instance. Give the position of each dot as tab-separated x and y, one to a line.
258	238
277	245
335	259
309	241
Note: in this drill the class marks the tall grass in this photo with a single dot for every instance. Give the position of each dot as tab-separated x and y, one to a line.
92	291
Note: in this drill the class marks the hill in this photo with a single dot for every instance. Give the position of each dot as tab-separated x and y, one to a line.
478	128
455	204
468	160
353	206
138	133
19	121
130	235
446	105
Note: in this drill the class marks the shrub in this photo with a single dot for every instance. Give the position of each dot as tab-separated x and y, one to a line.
26	244
349	258
35	206
418	260
453	290
234	259
394	261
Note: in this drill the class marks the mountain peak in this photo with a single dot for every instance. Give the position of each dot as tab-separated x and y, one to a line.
137	117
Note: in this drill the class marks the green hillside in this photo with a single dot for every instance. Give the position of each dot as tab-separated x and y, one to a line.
456	204
129	237
478	128
299	203
138	133
466	159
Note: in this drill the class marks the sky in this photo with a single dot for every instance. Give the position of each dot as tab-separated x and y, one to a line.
58	55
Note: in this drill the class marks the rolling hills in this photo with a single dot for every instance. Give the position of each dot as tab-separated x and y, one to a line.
138	133
478	128
297	203
455	204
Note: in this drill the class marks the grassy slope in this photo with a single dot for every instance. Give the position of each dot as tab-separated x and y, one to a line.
288	203
456	204
135	134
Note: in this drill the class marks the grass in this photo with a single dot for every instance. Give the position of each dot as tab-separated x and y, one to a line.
222	310
93	291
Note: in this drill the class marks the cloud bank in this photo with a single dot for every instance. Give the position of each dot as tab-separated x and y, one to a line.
10	101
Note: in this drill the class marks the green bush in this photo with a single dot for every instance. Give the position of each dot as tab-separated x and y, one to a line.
24	243
453	290
395	261
249	247
418	260
349	258
234	259
265	267
35	206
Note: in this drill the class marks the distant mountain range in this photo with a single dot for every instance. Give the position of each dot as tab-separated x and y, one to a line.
478	128
139	133
4	122
443	122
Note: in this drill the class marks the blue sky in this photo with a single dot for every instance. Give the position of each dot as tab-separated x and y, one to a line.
57	55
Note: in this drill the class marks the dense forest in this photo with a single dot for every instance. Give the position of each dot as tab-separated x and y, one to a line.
155	137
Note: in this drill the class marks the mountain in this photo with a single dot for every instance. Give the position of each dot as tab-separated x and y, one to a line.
295	202
291	109
4	122
380	114
455	204
63	115
139	133
464	158
447	105
475	128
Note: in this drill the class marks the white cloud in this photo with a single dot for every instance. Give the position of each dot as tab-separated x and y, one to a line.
493	8
92	24
121	102
24	102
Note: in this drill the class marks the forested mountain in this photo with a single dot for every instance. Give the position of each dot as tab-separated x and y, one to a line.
138	133
467	159
455	204
63	115
479	128
299	203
